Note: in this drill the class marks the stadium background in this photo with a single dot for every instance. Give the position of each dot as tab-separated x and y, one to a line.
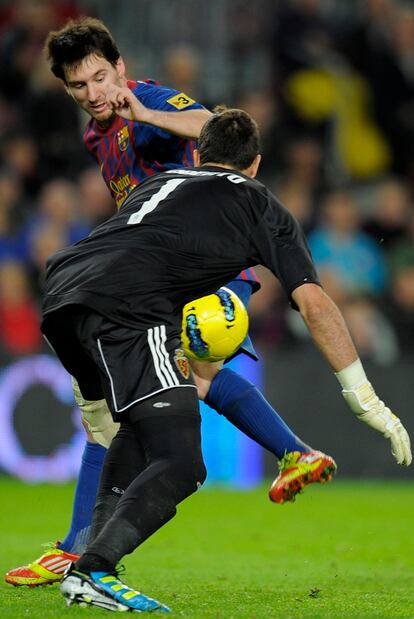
331	84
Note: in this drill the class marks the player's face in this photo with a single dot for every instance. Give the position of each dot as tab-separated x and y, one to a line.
89	82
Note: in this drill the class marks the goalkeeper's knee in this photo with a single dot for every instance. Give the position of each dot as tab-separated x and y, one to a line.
96	416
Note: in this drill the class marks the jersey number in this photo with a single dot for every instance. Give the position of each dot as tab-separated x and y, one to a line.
149	205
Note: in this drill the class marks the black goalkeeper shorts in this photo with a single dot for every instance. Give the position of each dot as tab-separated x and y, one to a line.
120	364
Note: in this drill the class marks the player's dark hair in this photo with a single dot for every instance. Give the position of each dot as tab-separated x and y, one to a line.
76	40
230	136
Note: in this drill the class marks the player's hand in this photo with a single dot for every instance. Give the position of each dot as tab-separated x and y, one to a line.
370	409
125	104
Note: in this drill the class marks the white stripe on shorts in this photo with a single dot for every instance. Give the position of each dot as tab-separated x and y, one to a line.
163	368
155	358
166	356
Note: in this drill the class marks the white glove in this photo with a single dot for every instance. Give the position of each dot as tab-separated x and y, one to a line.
97	417
365	403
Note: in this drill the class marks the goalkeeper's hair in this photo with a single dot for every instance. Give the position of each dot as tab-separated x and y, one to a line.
79	38
231	137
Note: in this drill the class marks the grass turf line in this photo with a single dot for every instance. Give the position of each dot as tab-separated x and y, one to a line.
344	550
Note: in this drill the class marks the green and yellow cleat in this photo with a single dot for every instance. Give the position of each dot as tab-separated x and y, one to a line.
299	469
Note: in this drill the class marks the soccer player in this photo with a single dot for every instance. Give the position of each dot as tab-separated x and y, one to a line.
136	130
112	312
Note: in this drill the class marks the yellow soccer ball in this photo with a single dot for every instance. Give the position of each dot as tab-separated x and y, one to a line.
214	326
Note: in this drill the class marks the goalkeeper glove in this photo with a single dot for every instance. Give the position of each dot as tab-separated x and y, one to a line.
97	417
362	399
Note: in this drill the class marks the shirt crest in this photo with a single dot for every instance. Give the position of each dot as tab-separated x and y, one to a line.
122	137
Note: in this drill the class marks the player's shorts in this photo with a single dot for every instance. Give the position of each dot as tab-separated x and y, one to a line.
123	365
244	291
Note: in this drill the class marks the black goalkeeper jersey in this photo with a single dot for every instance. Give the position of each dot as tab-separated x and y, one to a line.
179	235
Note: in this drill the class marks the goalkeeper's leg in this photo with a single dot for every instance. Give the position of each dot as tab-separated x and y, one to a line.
174	470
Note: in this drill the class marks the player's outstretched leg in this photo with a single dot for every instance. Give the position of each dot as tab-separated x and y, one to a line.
105	590
245	407
49	568
297	470
241	402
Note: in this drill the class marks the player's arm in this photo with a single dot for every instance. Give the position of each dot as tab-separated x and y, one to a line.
185	124
326	325
330	334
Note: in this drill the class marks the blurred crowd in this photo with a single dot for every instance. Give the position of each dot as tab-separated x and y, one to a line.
331	85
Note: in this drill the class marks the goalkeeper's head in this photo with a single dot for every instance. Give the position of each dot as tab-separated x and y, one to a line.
230	138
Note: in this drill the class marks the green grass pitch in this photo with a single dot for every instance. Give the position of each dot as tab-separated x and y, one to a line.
344	550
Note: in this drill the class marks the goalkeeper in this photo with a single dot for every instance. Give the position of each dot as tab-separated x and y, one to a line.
117	330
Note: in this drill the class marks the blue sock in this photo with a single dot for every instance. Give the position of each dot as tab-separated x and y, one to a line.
85	496
244	406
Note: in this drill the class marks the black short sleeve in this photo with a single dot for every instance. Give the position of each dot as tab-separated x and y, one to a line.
281	246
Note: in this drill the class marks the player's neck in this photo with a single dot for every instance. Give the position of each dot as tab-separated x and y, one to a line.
218	165
103	125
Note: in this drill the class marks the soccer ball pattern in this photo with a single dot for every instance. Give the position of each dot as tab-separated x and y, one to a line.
214	326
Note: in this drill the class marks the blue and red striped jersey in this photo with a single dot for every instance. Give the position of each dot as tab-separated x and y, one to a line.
128	152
